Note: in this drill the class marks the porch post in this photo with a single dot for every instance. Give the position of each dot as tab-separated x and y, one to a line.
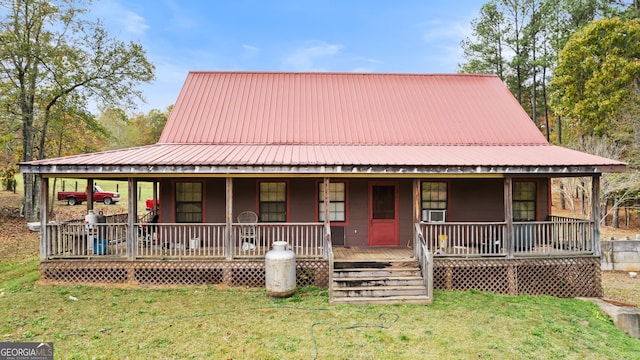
155	197
229	243
326	200
595	213
508	216
44	202
89	195
132	218
416	208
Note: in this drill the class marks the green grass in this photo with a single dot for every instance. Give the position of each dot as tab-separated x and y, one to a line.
238	323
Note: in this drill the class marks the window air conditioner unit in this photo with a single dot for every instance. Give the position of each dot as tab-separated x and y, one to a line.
436	215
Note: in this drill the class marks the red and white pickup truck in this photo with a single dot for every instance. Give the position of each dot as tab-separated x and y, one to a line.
99	195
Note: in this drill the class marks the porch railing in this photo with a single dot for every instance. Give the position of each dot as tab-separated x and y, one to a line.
558	236
465	238
304	239
179	240
425	259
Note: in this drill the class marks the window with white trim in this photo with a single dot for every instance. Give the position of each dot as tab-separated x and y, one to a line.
434	200
337	202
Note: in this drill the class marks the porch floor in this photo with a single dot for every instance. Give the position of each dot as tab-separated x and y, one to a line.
357	253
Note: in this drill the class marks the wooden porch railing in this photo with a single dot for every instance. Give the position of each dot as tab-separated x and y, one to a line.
558	236
179	240
425	259
304	239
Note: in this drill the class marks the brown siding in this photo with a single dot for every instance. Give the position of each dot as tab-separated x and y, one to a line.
356	232
476	200
406	212
215	200
166	200
244	196
302	200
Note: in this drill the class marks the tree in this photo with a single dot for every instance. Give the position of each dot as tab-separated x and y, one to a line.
52	55
140	129
527	35
485	50
597	74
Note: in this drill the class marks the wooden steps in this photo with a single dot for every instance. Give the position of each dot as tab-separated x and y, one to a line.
378	281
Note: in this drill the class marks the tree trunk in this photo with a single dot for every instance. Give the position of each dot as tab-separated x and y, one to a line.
563	201
615	219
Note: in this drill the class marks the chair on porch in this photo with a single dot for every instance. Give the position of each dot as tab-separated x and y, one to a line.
248	229
149	231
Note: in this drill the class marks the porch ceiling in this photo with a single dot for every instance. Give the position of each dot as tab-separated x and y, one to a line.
343	160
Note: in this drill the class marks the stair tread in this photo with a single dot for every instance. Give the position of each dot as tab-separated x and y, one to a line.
407	299
382	287
368	278
378	269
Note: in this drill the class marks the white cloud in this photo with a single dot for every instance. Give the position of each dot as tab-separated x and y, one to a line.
250	50
305	59
437	30
121	19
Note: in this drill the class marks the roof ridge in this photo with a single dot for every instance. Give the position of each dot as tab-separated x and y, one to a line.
274	72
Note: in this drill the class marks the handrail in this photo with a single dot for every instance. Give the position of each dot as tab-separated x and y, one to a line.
329	256
425	259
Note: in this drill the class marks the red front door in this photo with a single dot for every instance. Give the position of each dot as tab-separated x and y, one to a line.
383	214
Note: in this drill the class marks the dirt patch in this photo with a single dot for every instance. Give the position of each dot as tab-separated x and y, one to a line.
621	287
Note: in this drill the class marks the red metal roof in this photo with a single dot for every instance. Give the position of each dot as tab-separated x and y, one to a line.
338	155
239	122
347	109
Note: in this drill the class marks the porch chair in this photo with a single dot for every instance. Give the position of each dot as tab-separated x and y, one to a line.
149	230
248	229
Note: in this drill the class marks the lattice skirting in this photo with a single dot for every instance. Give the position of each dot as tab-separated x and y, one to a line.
233	273
562	277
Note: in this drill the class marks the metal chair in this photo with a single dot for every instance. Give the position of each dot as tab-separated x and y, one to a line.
248	229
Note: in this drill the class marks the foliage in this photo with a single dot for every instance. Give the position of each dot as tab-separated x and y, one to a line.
519	41
597	74
53	62
138	130
7	176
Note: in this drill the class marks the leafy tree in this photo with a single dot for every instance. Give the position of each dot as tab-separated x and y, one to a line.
485	50
597	74
52	54
140	129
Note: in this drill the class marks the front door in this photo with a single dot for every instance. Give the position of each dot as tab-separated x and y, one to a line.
383	214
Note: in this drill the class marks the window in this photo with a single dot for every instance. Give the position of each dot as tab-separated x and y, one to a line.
273	201
524	200
434	197
337	200
188	202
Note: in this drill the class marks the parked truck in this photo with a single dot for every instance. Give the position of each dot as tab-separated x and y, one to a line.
99	195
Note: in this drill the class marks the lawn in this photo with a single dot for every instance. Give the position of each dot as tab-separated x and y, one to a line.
244	323
107	322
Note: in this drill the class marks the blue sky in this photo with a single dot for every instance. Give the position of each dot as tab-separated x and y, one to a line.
407	36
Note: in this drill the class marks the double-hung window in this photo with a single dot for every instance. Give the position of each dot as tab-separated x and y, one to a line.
188	202
273	201
434	200
524	200
337	202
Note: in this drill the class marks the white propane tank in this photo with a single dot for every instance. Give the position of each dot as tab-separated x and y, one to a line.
89	225
280	270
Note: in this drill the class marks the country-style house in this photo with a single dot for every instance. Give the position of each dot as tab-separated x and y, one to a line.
362	174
